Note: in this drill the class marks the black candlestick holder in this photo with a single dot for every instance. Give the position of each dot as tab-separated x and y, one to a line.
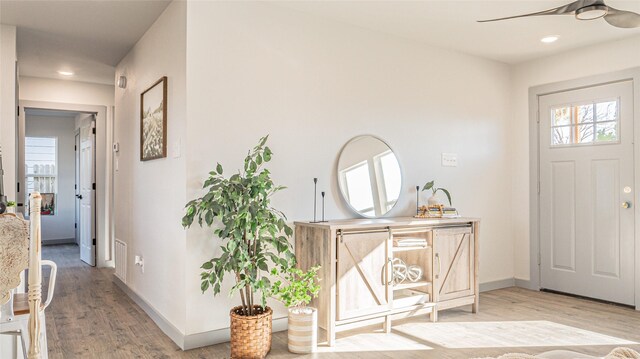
417	200
322	194
315	199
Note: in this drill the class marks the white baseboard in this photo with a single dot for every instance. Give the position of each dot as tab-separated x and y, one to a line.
498	284
50	242
191	341
526	283
171	331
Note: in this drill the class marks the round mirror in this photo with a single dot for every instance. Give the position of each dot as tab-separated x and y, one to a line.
369	176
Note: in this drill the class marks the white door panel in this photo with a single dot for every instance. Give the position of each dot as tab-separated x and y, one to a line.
87	199
586	160
77	187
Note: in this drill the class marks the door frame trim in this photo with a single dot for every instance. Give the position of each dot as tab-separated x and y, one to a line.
535	93
104	174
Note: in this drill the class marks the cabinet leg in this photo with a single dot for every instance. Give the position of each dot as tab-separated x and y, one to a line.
433	315
475	307
331	335
387	324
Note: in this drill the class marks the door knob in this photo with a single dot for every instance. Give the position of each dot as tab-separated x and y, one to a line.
626	204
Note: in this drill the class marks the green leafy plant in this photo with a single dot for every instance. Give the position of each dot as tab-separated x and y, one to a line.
431	186
296	288
253	233
11	204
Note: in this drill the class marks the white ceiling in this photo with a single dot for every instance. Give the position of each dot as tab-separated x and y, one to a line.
87	37
452	24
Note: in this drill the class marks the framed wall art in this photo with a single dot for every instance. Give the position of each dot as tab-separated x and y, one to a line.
153	121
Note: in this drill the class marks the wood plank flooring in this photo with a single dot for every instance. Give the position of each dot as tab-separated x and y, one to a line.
91	318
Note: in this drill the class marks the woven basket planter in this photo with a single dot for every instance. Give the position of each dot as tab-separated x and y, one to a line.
250	336
302	332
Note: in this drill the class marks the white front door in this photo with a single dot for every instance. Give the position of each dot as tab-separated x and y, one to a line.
586	192
86	192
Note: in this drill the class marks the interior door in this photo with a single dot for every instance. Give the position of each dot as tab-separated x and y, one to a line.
363	274
586	191
87	191
453	252
77	187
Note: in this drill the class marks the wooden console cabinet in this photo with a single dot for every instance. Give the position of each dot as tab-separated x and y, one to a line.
357	280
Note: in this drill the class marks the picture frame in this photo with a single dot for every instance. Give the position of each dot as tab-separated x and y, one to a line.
153	121
48	207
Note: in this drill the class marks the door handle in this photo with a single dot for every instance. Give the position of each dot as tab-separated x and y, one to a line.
79	196
439	265
392	278
626	204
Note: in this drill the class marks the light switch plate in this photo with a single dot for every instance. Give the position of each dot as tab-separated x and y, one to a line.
176	149
449	159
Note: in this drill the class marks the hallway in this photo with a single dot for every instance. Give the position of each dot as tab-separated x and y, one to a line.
92	318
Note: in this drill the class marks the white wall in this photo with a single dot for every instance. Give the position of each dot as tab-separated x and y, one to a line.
8	107
593	60
150	195
65	91
312	84
61	225
7	135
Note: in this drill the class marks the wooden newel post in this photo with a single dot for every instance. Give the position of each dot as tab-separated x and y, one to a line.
35	276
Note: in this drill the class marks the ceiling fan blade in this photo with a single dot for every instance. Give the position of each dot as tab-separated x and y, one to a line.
621	18
562	10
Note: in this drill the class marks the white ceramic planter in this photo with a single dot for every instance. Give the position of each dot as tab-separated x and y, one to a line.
433	200
303	330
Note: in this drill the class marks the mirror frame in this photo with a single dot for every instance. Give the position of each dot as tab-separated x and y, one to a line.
337	177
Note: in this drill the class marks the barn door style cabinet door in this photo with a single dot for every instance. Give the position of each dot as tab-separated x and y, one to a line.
454	265
359	285
363	278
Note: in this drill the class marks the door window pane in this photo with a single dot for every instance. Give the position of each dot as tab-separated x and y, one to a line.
585	123
561	116
561	135
584	134
585	113
607	111
607	131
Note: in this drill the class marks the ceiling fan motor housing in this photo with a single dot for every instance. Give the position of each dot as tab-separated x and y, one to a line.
592	12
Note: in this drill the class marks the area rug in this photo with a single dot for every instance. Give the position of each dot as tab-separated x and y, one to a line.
618	353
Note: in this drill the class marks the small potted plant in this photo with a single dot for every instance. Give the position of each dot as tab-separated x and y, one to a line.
254	235
296	288
434	200
11	207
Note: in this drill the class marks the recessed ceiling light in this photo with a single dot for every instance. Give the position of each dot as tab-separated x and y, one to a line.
65	73
549	39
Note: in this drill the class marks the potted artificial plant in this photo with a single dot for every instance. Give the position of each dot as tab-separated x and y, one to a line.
433	200
296	289
11	207
253	234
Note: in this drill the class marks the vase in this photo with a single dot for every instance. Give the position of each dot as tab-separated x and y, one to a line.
433	200
251	335
11	209
303	330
